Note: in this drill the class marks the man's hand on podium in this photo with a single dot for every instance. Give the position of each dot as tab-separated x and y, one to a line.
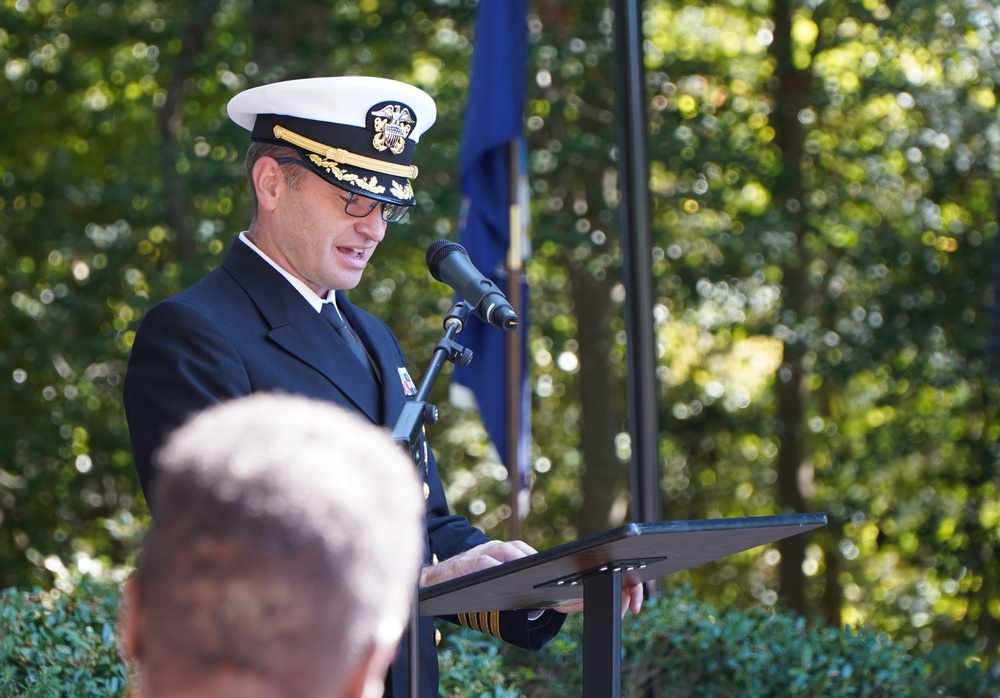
631	601
482	557
494	553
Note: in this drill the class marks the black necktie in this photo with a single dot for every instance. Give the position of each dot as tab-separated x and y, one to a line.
331	314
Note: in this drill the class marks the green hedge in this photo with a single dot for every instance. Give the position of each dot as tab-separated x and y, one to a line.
57	644
54	644
683	648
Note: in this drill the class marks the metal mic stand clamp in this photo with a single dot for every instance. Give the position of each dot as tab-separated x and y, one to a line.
409	426
416	413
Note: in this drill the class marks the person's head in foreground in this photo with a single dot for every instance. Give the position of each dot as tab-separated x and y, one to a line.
284	556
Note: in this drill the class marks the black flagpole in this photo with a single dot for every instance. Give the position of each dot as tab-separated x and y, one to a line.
633	166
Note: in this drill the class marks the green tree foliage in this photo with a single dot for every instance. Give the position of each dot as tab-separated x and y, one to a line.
121	182
822	177
854	230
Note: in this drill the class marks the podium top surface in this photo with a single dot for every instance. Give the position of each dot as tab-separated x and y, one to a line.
642	551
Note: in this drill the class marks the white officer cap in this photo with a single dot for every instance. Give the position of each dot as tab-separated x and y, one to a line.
357	133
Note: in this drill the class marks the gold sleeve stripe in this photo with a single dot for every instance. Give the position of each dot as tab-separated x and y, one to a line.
345	157
487	622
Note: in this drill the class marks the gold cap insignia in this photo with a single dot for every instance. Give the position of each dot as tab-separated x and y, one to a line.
393	123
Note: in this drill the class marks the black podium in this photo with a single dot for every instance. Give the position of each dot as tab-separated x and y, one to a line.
595	569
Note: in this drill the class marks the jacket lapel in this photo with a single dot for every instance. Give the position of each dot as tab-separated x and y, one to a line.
296	327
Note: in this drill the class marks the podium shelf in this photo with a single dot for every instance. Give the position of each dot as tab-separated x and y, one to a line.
639	551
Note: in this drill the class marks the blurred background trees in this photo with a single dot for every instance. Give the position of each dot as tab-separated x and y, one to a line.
823	178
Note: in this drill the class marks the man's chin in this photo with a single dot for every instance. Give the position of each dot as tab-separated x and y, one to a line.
345	282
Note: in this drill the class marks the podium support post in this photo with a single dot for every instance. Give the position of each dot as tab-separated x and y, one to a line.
602	634
413	653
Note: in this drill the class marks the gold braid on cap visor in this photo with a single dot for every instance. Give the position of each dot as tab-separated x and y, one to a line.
344	157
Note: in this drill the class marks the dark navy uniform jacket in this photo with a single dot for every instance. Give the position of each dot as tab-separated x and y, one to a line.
244	329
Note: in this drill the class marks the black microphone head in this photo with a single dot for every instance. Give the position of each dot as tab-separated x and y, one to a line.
438	250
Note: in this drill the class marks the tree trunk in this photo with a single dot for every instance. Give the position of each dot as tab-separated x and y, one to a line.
603	475
176	202
792	85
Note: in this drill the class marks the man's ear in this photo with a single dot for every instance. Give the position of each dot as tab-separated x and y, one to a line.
130	622
268	178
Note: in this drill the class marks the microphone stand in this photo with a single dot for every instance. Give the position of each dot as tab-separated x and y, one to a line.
409	426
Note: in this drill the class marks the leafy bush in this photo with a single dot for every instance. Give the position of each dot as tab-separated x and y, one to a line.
55	644
682	647
58	644
471	665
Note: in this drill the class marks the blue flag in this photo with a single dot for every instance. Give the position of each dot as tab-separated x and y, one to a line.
494	121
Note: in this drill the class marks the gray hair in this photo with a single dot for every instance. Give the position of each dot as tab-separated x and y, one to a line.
288	539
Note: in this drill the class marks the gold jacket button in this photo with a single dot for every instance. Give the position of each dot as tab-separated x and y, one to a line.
427	491
437	637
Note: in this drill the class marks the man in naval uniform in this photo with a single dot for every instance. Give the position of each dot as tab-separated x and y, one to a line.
329	168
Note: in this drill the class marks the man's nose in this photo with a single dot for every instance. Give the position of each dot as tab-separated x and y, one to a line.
372	225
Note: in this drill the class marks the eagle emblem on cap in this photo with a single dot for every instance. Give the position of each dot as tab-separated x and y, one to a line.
393	124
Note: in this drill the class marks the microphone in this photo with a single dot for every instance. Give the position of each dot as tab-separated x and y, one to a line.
449	263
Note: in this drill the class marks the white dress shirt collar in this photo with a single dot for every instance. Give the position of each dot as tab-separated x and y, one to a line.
314	300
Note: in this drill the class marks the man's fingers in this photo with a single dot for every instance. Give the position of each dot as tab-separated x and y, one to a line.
574	606
635	599
484	562
523	547
631	601
502	551
482	557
